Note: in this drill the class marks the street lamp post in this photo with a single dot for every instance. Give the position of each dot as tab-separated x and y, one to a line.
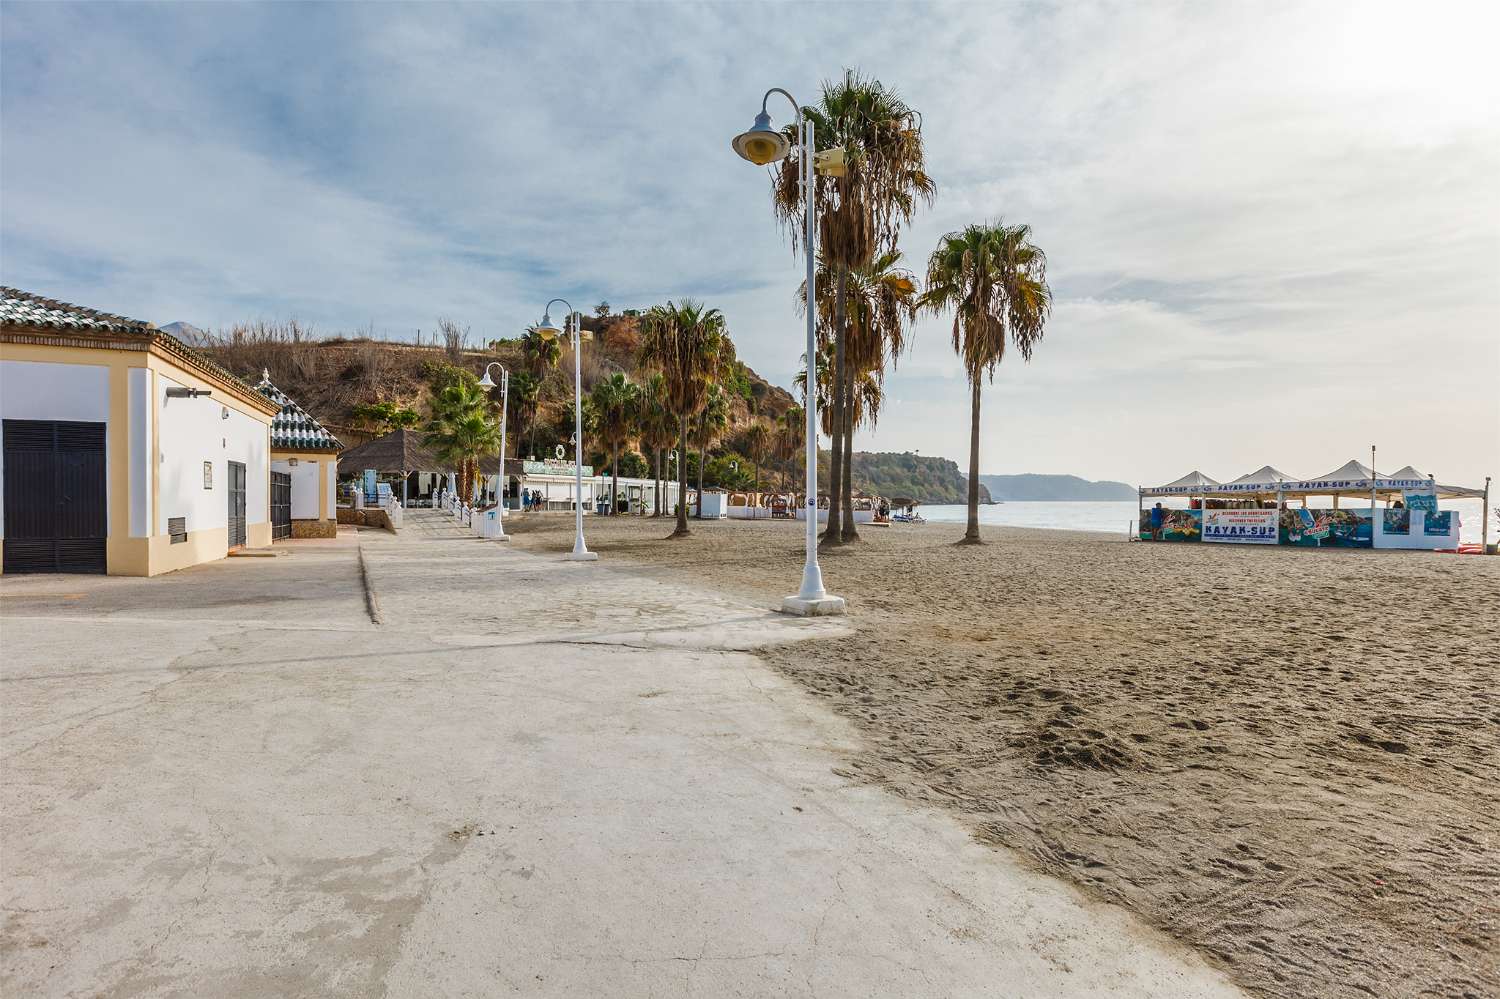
580	552
486	384
763	145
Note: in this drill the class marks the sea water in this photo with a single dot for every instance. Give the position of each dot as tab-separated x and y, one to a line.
1119	517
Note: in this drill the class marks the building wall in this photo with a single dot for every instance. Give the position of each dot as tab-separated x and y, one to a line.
314	491
192	432
154	448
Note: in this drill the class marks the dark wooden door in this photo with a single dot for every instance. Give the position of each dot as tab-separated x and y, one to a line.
56	511
281	505
236	504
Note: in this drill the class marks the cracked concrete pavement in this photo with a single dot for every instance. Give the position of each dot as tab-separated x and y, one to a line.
534	777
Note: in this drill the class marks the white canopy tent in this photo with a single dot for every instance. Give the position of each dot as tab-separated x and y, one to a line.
1353	478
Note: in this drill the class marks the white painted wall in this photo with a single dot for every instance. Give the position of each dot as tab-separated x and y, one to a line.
304	486
193	431
141	411
41	390
332	467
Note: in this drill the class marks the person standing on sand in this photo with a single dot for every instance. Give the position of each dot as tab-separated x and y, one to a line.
1156	518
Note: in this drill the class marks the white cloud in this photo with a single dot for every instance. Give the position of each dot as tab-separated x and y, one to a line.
1260	218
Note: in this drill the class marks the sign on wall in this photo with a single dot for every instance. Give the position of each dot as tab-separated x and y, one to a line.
208	475
1240	527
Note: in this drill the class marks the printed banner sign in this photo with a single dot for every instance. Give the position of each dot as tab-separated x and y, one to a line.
1397	520
1161	524
1326	528
1421	501
1241	527
550	467
1439	523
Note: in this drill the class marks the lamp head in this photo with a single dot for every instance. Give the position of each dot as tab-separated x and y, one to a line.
486	382
547	328
762	144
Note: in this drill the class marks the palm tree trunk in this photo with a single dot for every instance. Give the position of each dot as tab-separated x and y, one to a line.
833	535
682	438
614	489
656	484
850	531
702	460
971	535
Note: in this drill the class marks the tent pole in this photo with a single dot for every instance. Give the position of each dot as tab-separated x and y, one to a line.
1484	520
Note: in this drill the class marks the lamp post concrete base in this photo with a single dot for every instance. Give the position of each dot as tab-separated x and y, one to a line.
827	606
583	556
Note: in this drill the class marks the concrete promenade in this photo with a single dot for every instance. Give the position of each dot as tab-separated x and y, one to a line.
531	777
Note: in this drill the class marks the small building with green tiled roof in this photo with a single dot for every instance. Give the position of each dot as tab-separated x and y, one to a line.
304	469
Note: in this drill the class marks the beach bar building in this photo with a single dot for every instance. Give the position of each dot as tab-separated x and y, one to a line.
401	457
124	450
1352	506
304	470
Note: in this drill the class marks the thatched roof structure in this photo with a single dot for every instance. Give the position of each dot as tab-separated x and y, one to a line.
400	452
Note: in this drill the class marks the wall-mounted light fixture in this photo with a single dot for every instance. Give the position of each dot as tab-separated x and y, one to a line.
175	392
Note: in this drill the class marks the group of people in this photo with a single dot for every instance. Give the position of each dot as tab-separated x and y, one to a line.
532	499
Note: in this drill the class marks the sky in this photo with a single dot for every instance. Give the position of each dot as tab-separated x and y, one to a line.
1273	229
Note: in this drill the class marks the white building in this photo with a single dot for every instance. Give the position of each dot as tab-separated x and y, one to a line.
124	451
304	470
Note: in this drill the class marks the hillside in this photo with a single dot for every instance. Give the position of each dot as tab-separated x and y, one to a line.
923	478
334	377
1022	488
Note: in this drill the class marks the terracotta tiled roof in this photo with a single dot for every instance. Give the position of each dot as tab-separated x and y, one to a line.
294	429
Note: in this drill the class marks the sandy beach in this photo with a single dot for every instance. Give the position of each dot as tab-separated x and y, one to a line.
1286	758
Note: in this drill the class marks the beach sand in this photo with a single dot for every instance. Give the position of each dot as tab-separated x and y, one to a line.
1287	758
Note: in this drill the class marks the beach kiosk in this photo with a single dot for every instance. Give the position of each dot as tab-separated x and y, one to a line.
1353	506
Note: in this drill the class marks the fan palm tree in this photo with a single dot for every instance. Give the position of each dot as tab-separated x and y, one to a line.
860	213
995	281
791	438
541	352
657	428
881	305
690	346
712	422
757	439
460	430
615	402
525	398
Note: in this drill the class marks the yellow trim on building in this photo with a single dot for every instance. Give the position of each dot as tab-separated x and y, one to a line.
119	354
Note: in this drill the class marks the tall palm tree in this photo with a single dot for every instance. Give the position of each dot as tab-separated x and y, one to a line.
791	438
995	281
712	422
615	401
460	430
860	215
689	344
881	305
525	398
757	441
541	352
657	428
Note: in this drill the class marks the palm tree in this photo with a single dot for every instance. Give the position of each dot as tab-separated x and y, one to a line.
657	427
460	430
525	397
791	438
690	346
541	352
860	215
881	305
615	401
995	281
757	441
712	422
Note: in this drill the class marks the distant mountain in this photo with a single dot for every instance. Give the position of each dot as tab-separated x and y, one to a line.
1054	488
183	331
